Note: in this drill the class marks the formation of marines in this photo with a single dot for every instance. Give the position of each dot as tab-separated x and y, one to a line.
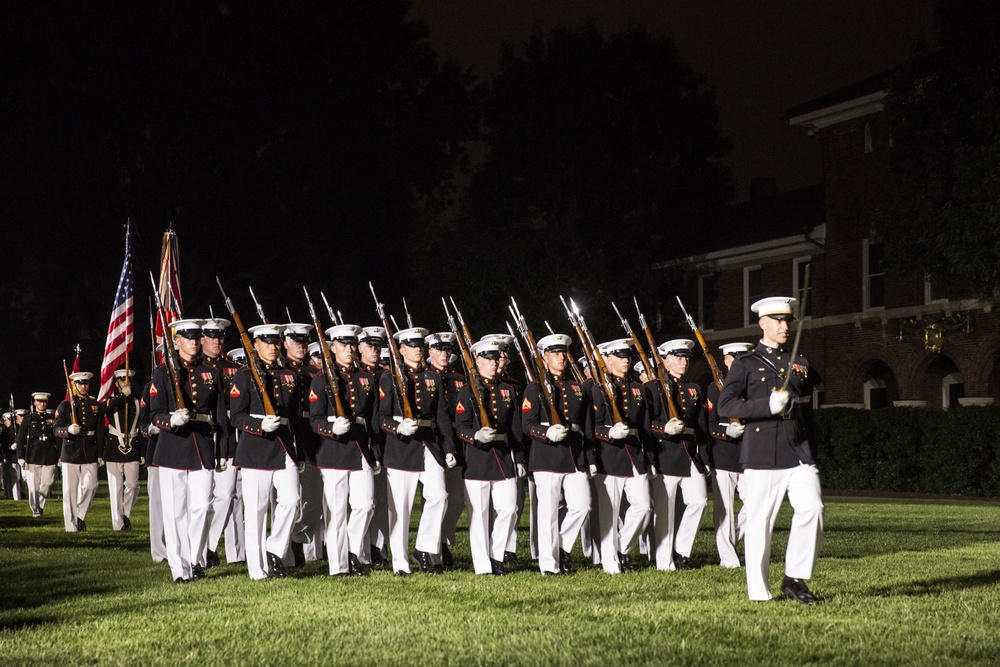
298	449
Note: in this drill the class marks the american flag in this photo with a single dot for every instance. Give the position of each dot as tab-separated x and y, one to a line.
121	330
169	285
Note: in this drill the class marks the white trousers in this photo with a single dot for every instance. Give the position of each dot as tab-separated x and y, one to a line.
486	545
79	484
39	480
123	487
236	540
669	533
350	503
550	488
526	487
401	491
157	540
378	528
308	529
765	490
617	534
257	486
186	498
223	499
728	525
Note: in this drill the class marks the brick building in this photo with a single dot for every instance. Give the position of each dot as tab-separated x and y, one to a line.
873	339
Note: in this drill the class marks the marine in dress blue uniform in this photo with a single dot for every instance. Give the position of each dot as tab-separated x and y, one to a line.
38	452
121	448
80	451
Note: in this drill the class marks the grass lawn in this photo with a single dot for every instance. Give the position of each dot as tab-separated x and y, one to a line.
901	583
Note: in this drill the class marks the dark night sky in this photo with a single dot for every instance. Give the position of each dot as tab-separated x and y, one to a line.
761	57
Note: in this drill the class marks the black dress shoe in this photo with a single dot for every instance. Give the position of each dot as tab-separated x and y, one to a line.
212	559
355	567
425	561
446	558
81	525
509	558
298	553
565	562
797	590
497	566
625	563
126	523
683	562
182	580
402	573
197	572
275	568
552	574
376	556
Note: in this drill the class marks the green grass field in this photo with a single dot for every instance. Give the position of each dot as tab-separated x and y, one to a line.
901	583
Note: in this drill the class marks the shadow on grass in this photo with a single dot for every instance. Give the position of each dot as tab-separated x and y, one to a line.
937	586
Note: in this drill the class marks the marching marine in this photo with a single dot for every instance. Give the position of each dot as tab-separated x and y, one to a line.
76	423
121	449
38	452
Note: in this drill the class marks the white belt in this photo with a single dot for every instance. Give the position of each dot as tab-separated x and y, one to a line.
420	422
499	437
118	434
631	431
357	420
282	420
572	427
305	414
89	433
198	417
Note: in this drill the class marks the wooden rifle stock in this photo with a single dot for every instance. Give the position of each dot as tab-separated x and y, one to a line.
395	361
543	370
70	389
529	375
169	360
716	375
463	337
332	384
599	369
252	357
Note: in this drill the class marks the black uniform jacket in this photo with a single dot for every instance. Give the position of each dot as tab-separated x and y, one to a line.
149	441
36	443
723	451
769	442
306	440
618	457
573	404
453	383
227	369
116	436
81	448
358	394
193	445
668	453
256	449
426	392
492	461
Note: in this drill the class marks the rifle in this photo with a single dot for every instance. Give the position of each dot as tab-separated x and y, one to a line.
252	357
169	360
72	394
647	364
332	383
544	376
260	309
594	358
152	339
528	374
704	346
395	361
329	310
665	384
409	320
470	365
798	331
461	321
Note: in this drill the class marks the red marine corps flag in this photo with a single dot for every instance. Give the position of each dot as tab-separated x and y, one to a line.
169	285
121	330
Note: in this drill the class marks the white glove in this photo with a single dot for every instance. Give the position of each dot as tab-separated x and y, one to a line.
618	432
221	466
269	424
21	462
652	472
522	472
735	430
407	427
74	429
778	401
100	462
152	430
485	434
592	471
556	433
674	427
450	460
377	468
126	390
341	425
179	417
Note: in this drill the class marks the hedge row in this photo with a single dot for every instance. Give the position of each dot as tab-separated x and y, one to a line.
910	450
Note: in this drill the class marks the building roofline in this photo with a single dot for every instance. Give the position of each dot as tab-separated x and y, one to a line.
810	243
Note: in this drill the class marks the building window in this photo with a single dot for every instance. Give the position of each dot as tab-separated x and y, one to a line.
706	302
868	138
819	394
873	288
935	290
952	389
799	281
751	293
876	394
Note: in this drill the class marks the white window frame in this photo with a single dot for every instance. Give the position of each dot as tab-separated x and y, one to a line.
947	382
928	294
797	289
866	279
748	321
872	383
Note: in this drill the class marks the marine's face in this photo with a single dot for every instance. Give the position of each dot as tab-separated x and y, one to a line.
775	332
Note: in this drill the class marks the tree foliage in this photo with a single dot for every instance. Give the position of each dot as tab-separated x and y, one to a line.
604	156
944	111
